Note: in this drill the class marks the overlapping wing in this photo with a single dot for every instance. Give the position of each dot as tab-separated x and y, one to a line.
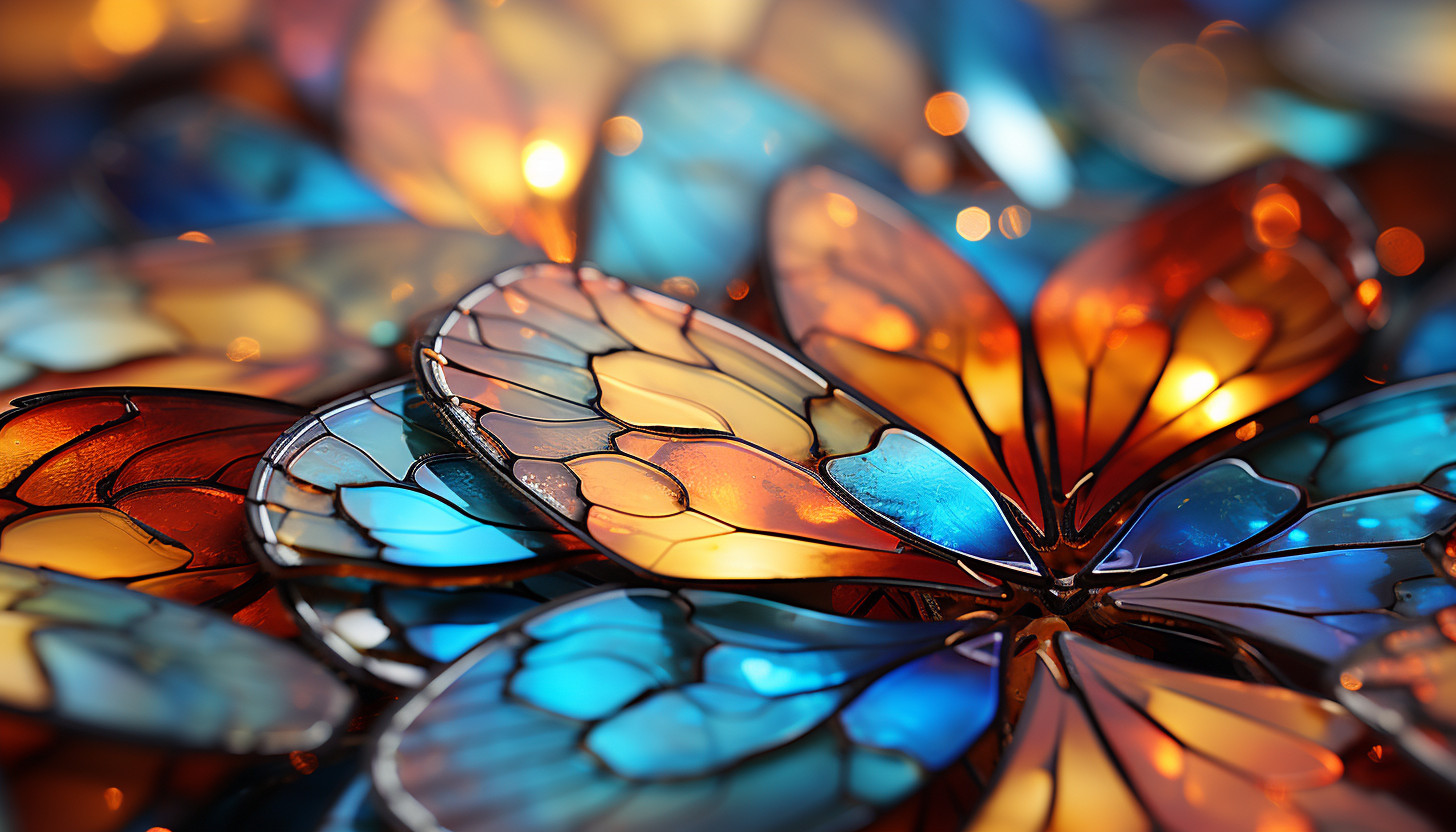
646	709
143	487
884	305
691	449
1109	742
1401	684
301	315
395	547
1204	312
1305	542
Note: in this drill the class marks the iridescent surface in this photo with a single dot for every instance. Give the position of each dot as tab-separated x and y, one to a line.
916	487
1203	312
675	441
1395	517
144	488
875	298
1145	747
647	709
1319	604
1204	514
173	674
372	485
298	315
1401	683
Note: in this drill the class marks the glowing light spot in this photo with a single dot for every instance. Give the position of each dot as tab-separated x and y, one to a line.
1276	217
973	223
1368	292
1248	431
159	829
681	287
737	288
841	209
939	339
889	328
361	628
401	291
621	135
1368	523
946	113
1196	385
1167	758
1349	681
1130	314
544	164
112	798
1282	820
127	27
1298	536
1400	251
1375	752
1015	221
303	762
1219	407
1219	29
243	348
195	237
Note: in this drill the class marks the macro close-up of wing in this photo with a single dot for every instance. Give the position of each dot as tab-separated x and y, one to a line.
689	448
646	709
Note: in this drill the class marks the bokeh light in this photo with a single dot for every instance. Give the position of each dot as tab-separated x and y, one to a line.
621	135
947	112
1400	251
544	165
973	223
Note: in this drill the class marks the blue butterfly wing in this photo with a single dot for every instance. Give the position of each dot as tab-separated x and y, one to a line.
649	709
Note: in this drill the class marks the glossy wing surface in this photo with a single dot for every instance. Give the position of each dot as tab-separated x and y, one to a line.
877	300
141	487
647	709
689	448
1195	317
1401	683
1112	742
298	315
169	673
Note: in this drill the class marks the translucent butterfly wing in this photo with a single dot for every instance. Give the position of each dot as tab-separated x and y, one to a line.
1109	741
880	302
647	709
1204	312
689	448
143	487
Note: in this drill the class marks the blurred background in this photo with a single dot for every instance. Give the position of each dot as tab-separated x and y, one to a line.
267	196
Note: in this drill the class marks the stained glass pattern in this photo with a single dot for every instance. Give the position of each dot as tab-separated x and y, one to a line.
298	315
140	487
178	675
1107	741
648	709
673	440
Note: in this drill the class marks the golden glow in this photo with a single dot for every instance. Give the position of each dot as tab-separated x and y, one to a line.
1400	251
1248	431
1196	385
946	113
973	223
1276	217
1220	407
128	27
1282	820
1015	221
544	165
195	237
841	209
1167	757
621	135
1368	292
112	797
1349	681
737	289
243	348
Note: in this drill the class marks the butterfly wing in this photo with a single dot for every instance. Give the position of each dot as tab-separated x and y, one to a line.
396	548
649	709
1307	541
1400	683
298	315
142	487
1202	313
692	449
1106	741
880	302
